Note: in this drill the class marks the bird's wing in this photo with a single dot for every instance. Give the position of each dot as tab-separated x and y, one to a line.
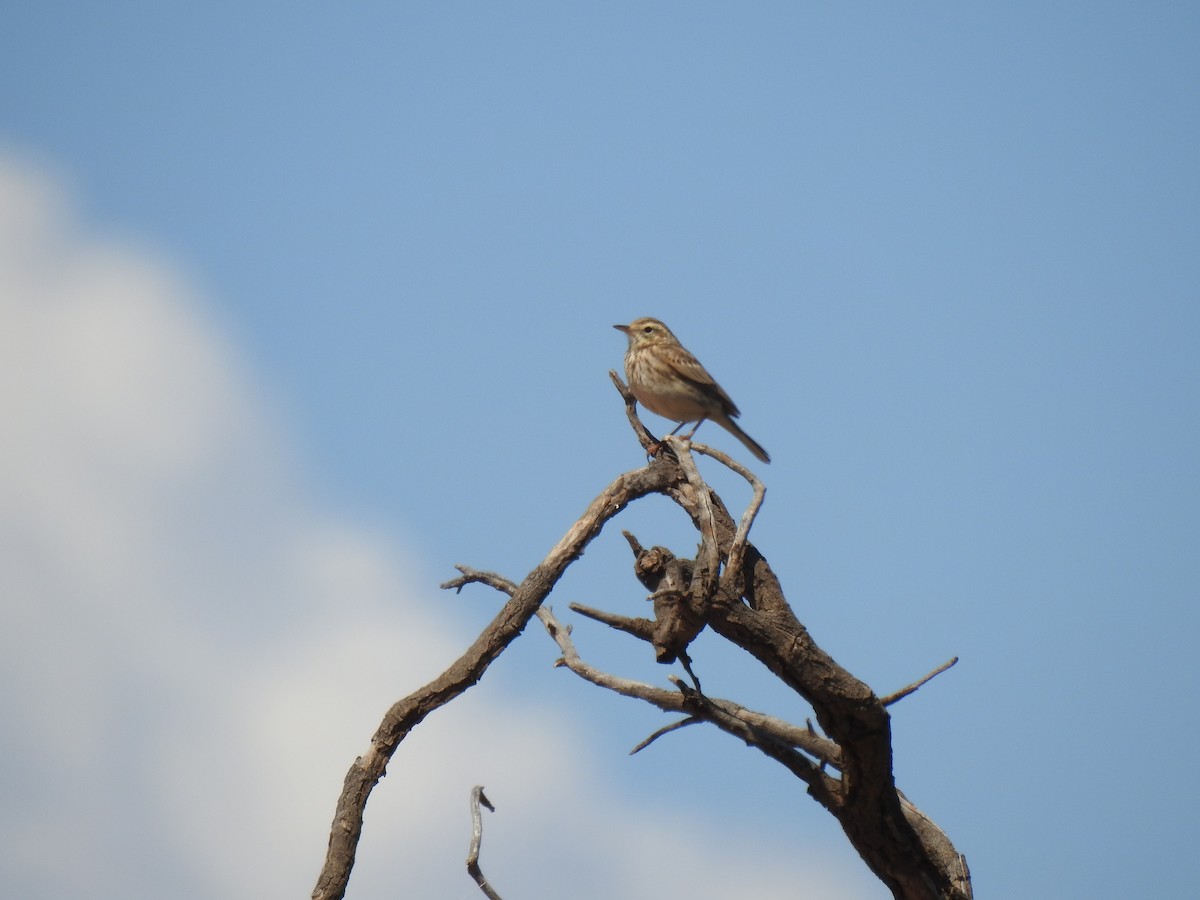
690	369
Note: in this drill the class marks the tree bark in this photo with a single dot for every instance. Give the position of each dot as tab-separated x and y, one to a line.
730	588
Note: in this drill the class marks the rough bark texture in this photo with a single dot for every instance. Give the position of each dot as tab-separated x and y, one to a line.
730	588
406	714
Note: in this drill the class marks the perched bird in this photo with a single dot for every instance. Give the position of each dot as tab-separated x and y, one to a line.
667	380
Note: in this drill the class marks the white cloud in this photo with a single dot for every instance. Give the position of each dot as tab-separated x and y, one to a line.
193	652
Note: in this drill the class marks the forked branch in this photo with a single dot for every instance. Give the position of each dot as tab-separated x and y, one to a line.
769	734
730	588
509	622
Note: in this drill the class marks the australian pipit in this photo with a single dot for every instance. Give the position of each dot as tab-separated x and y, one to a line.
667	380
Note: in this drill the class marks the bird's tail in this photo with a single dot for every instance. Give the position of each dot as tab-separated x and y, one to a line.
751	444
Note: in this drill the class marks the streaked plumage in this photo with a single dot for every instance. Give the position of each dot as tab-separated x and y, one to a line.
667	380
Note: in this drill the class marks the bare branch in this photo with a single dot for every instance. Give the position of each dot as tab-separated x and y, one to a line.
507	624
904	692
911	863
746	605
477	798
642	629
666	729
708	560
757	729
645	436
737	549
477	576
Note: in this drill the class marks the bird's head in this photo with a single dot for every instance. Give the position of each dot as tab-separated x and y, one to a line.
645	331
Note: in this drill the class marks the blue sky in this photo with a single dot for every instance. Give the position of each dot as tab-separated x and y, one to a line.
301	305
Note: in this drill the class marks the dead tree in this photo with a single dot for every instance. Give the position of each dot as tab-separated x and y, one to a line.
845	762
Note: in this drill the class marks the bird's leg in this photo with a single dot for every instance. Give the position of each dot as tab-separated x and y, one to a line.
675	430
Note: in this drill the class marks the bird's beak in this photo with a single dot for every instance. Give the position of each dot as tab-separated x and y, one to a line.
624	328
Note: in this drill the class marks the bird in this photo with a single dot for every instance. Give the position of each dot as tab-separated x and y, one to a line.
668	380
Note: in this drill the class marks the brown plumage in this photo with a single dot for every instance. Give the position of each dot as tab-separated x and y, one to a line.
667	380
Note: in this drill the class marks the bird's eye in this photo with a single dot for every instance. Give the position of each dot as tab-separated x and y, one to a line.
649	329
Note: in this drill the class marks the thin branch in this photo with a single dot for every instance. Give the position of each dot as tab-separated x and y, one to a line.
478	576
642	629
737	549
645	436
477	798
904	692
708	560
666	729
755	728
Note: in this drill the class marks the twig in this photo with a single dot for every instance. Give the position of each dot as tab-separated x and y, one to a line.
477	576
755	728
904	692
645	436
478	798
737	550
666	729
708	560
642	629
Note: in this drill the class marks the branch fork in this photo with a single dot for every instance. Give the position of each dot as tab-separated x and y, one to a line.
729	587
